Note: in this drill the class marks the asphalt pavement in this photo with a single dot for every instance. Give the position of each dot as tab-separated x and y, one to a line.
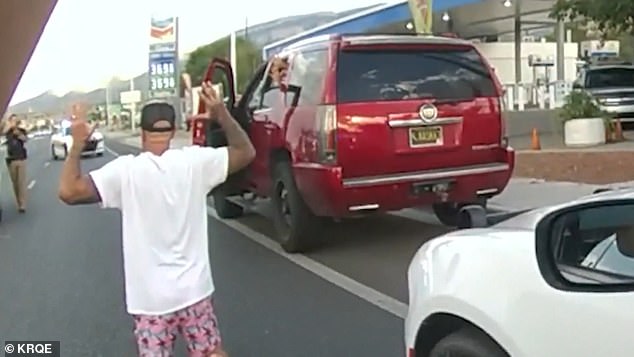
61	276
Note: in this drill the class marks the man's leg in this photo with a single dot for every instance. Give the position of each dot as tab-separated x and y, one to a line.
21	178
199	325
155	335
13	174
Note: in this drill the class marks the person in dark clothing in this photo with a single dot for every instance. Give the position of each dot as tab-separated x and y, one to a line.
16	160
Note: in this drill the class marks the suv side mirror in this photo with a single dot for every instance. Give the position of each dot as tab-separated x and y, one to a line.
588	247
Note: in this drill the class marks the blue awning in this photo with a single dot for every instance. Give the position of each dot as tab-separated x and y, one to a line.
364	21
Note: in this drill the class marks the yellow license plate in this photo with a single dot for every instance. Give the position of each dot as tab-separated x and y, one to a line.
425	136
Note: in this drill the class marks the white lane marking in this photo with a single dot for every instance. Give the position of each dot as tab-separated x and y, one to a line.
375	297
47	163
31	184
111	152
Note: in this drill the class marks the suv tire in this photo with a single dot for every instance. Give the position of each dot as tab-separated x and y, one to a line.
467	342
447	212
225	208
296	226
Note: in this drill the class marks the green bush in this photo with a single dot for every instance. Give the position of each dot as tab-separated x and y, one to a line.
580	104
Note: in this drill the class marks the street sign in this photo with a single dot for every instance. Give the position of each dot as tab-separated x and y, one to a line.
130	97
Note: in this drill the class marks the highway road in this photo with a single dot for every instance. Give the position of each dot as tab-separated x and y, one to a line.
61	276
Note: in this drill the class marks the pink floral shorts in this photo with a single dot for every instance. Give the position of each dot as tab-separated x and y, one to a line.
156	335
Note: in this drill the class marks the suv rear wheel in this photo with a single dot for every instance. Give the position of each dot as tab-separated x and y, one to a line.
467	342
297	227
447	212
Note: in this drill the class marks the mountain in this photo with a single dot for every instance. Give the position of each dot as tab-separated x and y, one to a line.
50	103
260	35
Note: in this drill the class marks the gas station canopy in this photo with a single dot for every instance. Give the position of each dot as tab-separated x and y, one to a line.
467	18
22	23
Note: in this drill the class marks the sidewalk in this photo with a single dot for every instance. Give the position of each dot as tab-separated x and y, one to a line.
524	193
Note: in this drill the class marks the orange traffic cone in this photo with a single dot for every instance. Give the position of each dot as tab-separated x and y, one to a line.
618	131
535	143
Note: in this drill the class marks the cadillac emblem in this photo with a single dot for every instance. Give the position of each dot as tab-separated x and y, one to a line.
428	112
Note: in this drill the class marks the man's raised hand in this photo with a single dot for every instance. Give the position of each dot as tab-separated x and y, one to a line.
80	129
211	98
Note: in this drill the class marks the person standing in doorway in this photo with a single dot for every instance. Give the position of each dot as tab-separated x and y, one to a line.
16	160
162	196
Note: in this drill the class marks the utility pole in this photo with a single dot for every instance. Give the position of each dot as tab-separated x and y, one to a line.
232	55
108	122
132	107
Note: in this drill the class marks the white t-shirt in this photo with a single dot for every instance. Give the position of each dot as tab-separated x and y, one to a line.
163	203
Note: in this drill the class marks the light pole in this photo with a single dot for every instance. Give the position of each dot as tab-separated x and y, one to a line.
108	105
233	55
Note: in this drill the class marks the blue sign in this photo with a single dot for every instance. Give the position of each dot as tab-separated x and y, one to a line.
163	58
162	71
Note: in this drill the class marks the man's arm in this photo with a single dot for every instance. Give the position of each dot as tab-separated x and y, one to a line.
74	187
22	134
240	148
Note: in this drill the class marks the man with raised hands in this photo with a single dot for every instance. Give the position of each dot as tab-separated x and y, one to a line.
162	196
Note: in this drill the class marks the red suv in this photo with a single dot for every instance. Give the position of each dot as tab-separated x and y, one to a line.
366	123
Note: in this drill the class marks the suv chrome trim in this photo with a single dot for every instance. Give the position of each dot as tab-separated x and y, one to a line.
262	111
368	207
404	123
395	39
425	175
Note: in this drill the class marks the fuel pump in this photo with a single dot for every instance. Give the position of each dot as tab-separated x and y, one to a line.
542	68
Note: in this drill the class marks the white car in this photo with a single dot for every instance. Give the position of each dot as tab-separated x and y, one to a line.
551	282
61	141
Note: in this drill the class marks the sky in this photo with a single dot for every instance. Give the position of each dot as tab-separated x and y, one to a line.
87	42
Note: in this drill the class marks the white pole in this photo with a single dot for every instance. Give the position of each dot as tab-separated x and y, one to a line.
108	122
132	108
232	54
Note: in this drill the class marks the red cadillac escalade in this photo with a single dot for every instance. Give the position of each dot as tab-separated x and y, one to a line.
346	125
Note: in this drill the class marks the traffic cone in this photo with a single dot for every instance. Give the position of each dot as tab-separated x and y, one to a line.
618	131
535	143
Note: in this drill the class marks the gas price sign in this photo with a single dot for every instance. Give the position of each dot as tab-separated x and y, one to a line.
162	72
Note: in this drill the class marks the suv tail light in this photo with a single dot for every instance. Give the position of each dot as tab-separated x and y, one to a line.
504	139
326	118
199	132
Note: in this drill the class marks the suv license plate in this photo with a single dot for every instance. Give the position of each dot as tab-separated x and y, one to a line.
425	136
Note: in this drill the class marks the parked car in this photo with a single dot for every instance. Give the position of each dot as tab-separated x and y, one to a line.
61	142
612	84
362	124
554	281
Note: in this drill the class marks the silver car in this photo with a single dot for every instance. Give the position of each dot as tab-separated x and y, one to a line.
612	85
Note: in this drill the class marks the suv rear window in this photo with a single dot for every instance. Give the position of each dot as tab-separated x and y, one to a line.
610	77
443	74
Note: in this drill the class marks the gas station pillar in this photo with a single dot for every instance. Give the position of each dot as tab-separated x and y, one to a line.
560	34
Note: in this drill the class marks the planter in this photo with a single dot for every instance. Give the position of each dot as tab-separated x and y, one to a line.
584	132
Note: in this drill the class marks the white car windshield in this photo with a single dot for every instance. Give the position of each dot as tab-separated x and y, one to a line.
64	131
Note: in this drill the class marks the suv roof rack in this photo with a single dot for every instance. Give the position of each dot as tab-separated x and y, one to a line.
411	34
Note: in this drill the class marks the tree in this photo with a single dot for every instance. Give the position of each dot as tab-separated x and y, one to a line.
609	16
248	58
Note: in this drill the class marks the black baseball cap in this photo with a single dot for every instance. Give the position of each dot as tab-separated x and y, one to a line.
155	112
